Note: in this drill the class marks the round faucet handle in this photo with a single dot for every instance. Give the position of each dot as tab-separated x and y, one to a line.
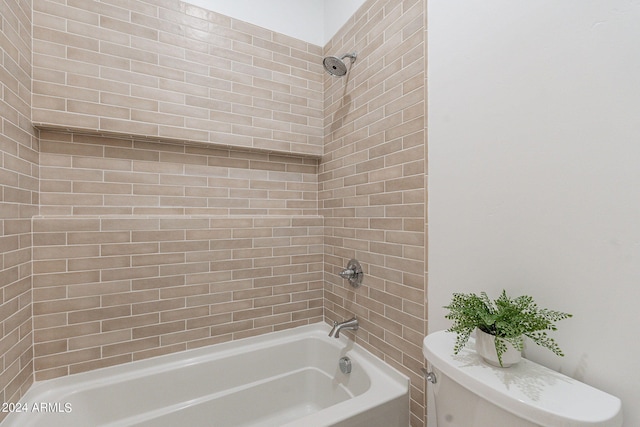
353	273
347	273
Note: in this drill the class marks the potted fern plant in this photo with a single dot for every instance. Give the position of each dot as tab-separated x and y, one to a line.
501	325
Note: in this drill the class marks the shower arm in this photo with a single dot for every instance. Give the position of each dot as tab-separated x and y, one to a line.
351	56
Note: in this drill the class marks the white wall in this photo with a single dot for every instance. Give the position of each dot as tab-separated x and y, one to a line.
336	13
314	21
534	171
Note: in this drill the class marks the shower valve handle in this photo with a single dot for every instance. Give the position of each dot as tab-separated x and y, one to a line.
353	273
347	274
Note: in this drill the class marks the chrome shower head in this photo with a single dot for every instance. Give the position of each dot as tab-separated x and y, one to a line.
336	66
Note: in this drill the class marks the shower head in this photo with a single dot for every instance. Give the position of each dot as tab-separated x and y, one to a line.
336	66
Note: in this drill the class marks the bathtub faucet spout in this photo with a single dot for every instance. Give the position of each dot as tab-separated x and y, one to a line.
351	324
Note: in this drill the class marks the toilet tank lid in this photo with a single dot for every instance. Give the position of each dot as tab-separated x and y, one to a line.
527	390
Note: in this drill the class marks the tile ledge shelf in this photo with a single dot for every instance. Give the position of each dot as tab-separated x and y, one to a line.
315	152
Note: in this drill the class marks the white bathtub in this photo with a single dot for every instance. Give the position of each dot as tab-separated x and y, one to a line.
288	378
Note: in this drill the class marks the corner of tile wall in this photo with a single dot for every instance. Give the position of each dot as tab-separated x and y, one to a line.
18	199
372	182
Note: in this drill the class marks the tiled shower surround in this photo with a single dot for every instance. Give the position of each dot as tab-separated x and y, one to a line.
194	179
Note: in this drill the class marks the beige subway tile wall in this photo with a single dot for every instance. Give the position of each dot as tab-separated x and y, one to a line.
95	175
170	70
18	198
110	290
372	184
146	248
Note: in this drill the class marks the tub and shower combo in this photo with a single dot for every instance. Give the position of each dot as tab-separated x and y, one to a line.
298	377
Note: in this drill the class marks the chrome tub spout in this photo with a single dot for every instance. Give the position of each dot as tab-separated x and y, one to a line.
351	324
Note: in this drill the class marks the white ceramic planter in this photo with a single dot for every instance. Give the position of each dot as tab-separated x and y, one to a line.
486	348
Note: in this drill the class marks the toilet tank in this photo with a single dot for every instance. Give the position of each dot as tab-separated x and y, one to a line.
471	393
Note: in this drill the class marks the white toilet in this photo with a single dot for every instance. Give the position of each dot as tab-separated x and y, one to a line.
471	393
